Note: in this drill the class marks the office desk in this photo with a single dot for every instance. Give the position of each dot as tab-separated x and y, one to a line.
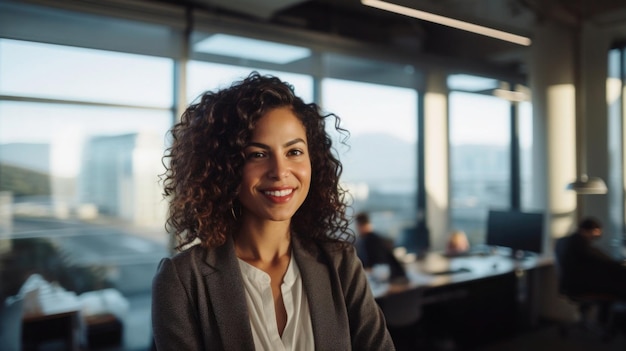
56	319
436	270
494	298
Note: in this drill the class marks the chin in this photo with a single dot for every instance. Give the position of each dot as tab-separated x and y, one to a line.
281	218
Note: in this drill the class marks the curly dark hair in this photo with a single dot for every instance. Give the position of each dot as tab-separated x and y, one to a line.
206	160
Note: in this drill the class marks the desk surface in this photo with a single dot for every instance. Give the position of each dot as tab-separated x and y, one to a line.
45	304
429	271
491	300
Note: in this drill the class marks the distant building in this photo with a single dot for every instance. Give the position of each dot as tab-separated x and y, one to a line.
481	177
120	176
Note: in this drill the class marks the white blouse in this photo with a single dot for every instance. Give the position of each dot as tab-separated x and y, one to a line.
298	332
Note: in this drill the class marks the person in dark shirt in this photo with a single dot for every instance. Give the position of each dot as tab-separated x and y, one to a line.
373	249
585	269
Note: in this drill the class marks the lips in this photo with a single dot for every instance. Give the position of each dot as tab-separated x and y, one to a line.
279	195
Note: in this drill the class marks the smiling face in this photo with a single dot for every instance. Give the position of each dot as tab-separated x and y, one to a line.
277	171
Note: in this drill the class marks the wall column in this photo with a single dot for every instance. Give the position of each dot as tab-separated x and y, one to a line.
554	113
595	44
436	174
551	72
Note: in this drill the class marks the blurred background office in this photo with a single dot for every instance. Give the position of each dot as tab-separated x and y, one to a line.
446	125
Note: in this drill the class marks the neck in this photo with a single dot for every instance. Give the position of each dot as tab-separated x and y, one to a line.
264	242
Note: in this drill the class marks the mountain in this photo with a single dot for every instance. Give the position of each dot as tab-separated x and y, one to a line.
30	156
381	160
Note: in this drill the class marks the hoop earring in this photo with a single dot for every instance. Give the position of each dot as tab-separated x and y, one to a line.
232	212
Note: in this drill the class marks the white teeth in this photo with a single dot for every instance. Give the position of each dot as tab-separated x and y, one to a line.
279	192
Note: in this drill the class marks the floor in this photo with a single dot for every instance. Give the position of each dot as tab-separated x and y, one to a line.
548	337
545	338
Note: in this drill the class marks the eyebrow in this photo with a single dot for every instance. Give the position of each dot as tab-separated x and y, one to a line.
287	144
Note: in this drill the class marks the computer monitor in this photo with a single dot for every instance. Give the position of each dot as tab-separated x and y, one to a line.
519	231
416	239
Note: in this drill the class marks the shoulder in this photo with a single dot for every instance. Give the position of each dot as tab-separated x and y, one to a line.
175	265
187	263
375	237
187	257
342	257
331	252
571	239
327	260
564	240
337	250
577	240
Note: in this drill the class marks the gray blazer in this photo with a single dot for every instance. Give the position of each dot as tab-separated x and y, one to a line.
199	303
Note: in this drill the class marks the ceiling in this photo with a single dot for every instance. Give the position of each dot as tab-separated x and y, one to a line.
351	19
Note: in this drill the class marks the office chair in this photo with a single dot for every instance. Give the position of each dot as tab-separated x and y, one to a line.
595	309
403	312
596	315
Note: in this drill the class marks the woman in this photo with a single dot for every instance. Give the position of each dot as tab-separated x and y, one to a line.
253	180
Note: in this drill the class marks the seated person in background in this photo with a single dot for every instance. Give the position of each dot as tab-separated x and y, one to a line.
373	249
585	269
457	243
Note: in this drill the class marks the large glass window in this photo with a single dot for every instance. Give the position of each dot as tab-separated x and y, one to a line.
203	76
81	139
491	163
54	72
480	175
380	159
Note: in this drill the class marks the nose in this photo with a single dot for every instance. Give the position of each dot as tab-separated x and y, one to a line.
279	168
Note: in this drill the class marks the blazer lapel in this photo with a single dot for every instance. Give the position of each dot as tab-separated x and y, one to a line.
226	291
317	284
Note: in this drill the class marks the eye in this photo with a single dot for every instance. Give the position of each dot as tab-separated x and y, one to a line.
295	152
255	155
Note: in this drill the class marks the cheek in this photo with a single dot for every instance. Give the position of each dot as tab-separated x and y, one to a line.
305	173
247	178
249	172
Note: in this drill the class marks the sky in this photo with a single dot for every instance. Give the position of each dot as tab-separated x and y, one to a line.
54	72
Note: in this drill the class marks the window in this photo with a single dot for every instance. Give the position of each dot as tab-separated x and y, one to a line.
380	162
480	142
203	76
54	72
489	167
82	134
